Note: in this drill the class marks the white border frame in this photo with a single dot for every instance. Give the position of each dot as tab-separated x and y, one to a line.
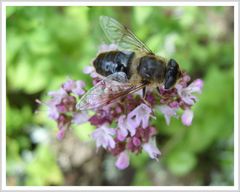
124	188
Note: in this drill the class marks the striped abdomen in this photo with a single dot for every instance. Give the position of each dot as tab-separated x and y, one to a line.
111	62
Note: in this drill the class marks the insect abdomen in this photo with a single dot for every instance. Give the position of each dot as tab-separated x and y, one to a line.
111	62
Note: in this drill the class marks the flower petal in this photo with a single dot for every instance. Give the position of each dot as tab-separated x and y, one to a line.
104	137
152	149
140	114
168	112
80	117
126	124
60	134
88	69
78	88
187	117
122	161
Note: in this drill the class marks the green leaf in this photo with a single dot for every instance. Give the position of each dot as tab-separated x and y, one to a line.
43	170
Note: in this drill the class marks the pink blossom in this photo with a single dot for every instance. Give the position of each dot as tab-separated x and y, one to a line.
91	71
75	87
106	48
125	125
60	134
140	114
122	161
63	122
68	85
56	97
152	149
78	88
67	104
55	100
136	141
187	117
168	112
88	69
121	136
80	117
186	93
104	137
53	112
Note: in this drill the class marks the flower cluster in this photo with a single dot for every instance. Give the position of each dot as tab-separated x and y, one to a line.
62	106
124	126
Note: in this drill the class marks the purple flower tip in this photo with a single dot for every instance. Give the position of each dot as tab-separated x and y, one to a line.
104	137
168	112
122	161
152	149
140	114
125	125
187	117
60	134
88	70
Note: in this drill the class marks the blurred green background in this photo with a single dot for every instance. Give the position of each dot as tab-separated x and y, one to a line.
45	45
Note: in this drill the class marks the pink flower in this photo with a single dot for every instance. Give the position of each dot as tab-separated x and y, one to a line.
53	112
122	161
106	48
67	104
61	134
75	87
186	93
121	136
140	114
187	117
151	149
88	69
64	123
125	125
168	112
56	97
104	137
78	88
80	117
68	85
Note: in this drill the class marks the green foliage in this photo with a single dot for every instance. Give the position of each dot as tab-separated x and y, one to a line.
45	45
42	170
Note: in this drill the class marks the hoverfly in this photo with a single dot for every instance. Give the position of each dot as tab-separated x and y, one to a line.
127	70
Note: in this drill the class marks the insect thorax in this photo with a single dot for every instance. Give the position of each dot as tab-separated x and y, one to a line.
151	68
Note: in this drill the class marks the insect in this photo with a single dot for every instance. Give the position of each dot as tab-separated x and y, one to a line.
130	68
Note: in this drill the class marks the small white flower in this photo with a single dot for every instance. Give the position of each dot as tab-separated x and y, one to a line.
168	112
187	117
106	48
186	93
104	137
125	125
56	97
140	114
152	149
88	69
122	161
80	117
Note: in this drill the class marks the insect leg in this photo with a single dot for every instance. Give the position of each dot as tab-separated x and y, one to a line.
144	92
144	96
158	90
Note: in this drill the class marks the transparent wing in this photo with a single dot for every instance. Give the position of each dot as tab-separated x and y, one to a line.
122	36
107	91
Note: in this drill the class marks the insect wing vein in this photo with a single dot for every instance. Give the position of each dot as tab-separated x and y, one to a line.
122	36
